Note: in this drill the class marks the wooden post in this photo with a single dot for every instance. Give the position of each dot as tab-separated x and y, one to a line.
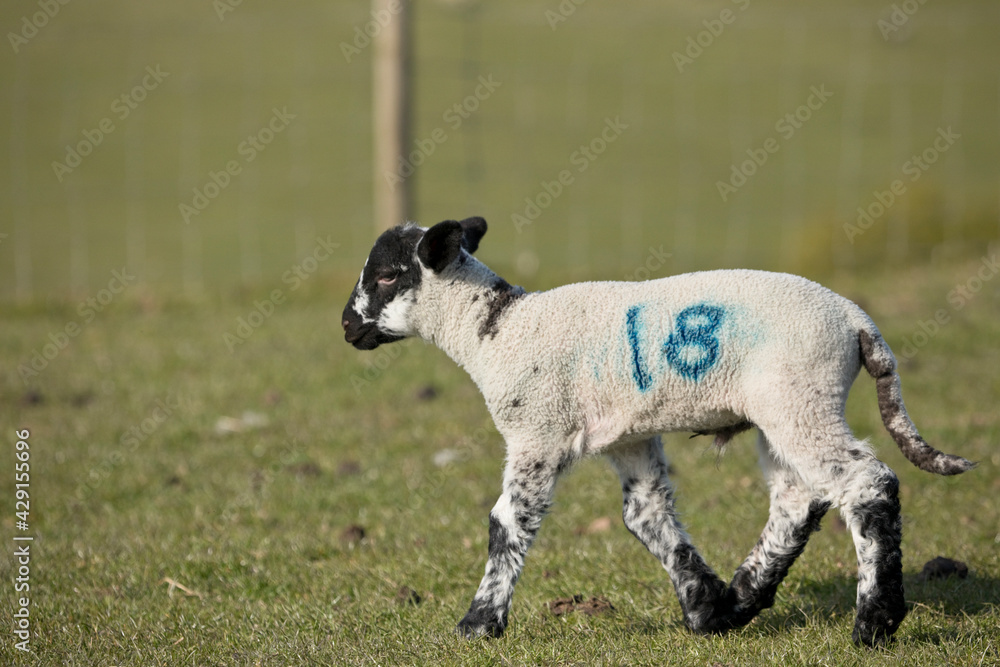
391	112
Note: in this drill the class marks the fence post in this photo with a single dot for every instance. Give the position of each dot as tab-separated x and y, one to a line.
391	112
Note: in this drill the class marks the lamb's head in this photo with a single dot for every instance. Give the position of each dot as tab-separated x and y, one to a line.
402	259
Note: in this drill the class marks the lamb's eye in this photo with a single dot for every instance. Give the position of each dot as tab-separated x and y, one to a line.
385	281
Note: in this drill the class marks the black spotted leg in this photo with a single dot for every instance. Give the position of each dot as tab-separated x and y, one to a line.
708	604
795	515
514	521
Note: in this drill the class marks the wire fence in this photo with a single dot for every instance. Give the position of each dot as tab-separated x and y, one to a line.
206	146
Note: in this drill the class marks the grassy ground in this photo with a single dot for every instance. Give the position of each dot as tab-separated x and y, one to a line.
324	533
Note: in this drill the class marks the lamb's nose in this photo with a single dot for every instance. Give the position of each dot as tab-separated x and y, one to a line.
345	324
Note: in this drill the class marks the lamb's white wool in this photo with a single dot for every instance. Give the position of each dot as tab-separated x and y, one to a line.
361	302
605	367
392	319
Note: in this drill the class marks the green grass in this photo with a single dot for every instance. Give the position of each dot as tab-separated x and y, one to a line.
255	522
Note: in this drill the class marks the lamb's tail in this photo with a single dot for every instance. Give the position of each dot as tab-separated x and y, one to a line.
881	365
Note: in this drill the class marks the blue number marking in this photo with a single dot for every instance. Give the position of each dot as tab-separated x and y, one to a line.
694	336
639	373
691	350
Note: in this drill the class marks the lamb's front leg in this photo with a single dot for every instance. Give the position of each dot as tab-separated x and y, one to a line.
708	604
514	521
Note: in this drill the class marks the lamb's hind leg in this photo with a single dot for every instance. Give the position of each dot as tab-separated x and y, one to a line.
795	514
707	602
836	467
872	511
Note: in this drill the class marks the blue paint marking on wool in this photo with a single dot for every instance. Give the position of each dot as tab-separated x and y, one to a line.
632	329
693	348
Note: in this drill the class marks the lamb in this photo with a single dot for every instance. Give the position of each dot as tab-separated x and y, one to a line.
605	367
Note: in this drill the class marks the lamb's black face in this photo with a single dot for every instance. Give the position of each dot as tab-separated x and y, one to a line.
378	309
391	276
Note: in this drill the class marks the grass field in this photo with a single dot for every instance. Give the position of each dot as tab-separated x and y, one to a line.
216	478
297	535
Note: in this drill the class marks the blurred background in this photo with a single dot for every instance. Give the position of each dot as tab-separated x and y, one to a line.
205	145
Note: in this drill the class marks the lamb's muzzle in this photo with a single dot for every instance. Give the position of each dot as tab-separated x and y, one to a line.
606	367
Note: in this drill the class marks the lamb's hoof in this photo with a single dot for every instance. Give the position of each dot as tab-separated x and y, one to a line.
723	622
478	624
718	616
878	619
872	636
877	629
475	630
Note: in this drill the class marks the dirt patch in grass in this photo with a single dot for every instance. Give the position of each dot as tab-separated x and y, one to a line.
352	534
591	607
305	469
406	595
349	468
942	568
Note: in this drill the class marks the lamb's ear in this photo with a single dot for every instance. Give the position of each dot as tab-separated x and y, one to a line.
474	229
440	245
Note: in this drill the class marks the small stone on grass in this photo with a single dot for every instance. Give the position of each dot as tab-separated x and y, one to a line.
444	457
598	525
